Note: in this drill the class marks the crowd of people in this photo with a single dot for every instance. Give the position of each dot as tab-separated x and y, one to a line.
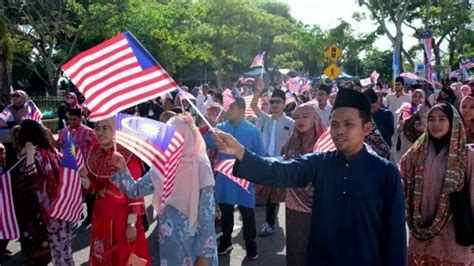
389	194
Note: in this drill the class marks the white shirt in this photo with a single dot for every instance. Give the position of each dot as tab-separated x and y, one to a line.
202	102
324	114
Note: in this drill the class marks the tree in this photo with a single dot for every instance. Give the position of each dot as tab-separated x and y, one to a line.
380	61
352	46
395	12
447	19
45	25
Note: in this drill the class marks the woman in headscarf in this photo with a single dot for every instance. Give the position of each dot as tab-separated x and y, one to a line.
42	237
432	169
19	106
467	112
117	230
466	90
308	128
412	122
186	222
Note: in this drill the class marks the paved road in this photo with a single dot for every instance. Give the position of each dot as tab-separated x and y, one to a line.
271	249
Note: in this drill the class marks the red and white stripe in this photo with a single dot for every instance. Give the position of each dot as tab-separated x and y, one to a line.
227	99
468	65
225	167
8	223
111	78
166	162
258	61
68	204
248	109
324	143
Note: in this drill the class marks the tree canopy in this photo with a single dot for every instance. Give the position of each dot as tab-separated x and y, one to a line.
221	36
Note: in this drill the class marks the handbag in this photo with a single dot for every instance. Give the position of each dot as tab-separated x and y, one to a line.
462	215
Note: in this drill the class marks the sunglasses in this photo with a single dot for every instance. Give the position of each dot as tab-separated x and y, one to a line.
276	101
16	95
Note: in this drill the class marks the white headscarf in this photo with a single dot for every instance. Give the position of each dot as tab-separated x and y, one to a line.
193	173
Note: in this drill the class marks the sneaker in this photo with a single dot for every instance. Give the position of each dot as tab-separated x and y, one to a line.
266	230
251	253
224	247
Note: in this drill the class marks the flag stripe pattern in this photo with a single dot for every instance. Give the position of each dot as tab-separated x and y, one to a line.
468	65
225	167
165	161
228	99
117	74
324	143
34	112
8	223
258	61
68	204
248	109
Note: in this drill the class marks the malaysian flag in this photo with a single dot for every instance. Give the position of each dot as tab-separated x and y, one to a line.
227	99
157	144
117	74
68	204
468	65
428	45
298	84
258	61
410	75
225	167
374	76
324	143
8	223
6	116
34	112
185	95
246	80
406	111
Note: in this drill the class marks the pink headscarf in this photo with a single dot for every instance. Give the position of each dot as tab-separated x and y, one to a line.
193	173
299	143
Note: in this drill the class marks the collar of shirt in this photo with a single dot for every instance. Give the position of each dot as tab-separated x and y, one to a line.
356	158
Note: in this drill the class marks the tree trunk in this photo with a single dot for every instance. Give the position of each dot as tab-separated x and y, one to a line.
452	48
5	65
220	73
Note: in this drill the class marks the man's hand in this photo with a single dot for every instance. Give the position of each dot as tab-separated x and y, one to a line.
118	161
260	85
228	144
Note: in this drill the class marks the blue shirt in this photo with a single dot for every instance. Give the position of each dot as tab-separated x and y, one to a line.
358	215
385	123
227	191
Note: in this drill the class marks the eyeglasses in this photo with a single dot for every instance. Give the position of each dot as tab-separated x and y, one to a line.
276	101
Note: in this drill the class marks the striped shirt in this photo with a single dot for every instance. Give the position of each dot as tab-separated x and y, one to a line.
83	136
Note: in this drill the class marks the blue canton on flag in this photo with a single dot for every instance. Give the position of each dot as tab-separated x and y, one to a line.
68	204
157	144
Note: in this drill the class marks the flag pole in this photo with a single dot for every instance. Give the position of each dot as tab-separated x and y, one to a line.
199	113
16	164
219	115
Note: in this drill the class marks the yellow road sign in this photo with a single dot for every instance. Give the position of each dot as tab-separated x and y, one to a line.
332	71
333	53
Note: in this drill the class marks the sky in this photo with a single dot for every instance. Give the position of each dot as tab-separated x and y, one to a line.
327	13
